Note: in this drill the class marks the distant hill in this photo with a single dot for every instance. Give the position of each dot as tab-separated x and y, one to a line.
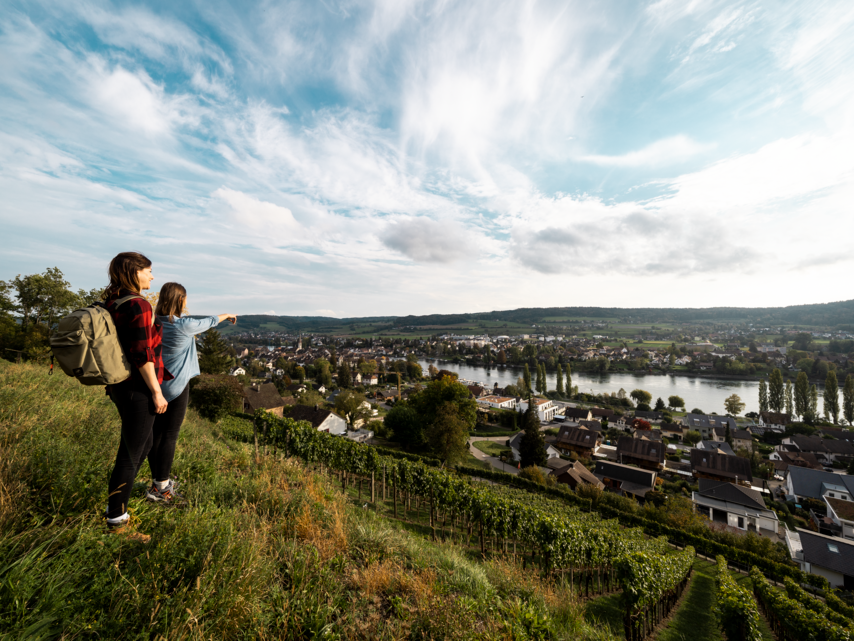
824	315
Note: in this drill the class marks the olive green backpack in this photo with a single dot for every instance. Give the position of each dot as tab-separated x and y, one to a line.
87	347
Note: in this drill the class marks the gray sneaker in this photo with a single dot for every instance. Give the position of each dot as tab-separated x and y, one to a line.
167	496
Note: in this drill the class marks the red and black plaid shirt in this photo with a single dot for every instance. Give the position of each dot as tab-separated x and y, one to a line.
140	339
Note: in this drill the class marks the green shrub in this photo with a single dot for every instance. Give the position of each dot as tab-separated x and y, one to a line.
216	395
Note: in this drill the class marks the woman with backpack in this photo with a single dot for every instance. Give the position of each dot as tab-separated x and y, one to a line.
182	361
139	398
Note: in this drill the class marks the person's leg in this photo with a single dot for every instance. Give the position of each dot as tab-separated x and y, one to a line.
167	426
137	412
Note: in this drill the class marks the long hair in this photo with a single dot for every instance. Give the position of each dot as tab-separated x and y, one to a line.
171	301
123	269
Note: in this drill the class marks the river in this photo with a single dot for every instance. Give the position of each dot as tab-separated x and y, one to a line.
704	392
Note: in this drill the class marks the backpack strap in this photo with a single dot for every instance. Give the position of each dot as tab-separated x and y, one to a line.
122	301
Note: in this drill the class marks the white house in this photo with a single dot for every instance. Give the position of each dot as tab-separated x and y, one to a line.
546	409
823	555
736	506
498	402
841	512
238	371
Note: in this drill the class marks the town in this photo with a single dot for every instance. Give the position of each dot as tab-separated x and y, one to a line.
782	474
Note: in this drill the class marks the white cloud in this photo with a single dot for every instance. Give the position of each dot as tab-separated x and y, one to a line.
267	219
668	151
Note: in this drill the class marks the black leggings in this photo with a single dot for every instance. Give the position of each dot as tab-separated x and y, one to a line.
144	433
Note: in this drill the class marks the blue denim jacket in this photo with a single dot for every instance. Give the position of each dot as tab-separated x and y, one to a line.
179	351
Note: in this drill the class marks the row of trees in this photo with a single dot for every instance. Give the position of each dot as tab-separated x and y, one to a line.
802	399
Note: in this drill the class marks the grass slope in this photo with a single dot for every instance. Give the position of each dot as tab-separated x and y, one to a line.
272	550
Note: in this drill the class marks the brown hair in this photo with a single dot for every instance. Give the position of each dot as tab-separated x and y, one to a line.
123	269
171	300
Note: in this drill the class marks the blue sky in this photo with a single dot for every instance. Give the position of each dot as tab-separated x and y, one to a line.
403	157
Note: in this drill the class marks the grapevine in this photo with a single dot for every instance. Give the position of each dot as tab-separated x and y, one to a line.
736	609
789	618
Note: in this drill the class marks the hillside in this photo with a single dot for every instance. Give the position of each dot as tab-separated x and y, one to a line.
824	315
268	551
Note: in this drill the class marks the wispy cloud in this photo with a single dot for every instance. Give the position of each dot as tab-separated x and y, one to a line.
669	151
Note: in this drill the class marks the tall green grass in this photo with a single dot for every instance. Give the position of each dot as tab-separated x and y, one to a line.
268	550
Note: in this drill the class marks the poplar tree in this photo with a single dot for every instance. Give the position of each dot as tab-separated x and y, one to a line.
813	411
831	397
527	378
559	384
763	396
568	380
540	385
848	399
790	401
775	390
802	394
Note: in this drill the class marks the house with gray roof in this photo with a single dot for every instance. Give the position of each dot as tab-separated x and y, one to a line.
706	423
715	446
625	479
738	507
827	556
804	482
720	467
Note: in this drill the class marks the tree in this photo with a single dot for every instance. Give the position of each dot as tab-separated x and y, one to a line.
641	396
734	406
848	399
697	410
692	437
526	377
831	397
345	378
447	435
675	402
540	384
775	391
559	383
659	404
763	396
728	435
406	425
432	371
790	402
352	407
43	298
532	473
568	383
813	407
212	354
532	448
300	374
802	394
851	466
445	390
502	357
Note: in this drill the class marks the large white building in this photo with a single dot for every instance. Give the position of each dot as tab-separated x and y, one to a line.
498	402
546	409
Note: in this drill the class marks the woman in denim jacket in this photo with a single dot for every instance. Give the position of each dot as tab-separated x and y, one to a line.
182	361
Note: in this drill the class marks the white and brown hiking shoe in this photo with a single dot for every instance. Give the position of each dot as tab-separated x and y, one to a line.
168	496
127	529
